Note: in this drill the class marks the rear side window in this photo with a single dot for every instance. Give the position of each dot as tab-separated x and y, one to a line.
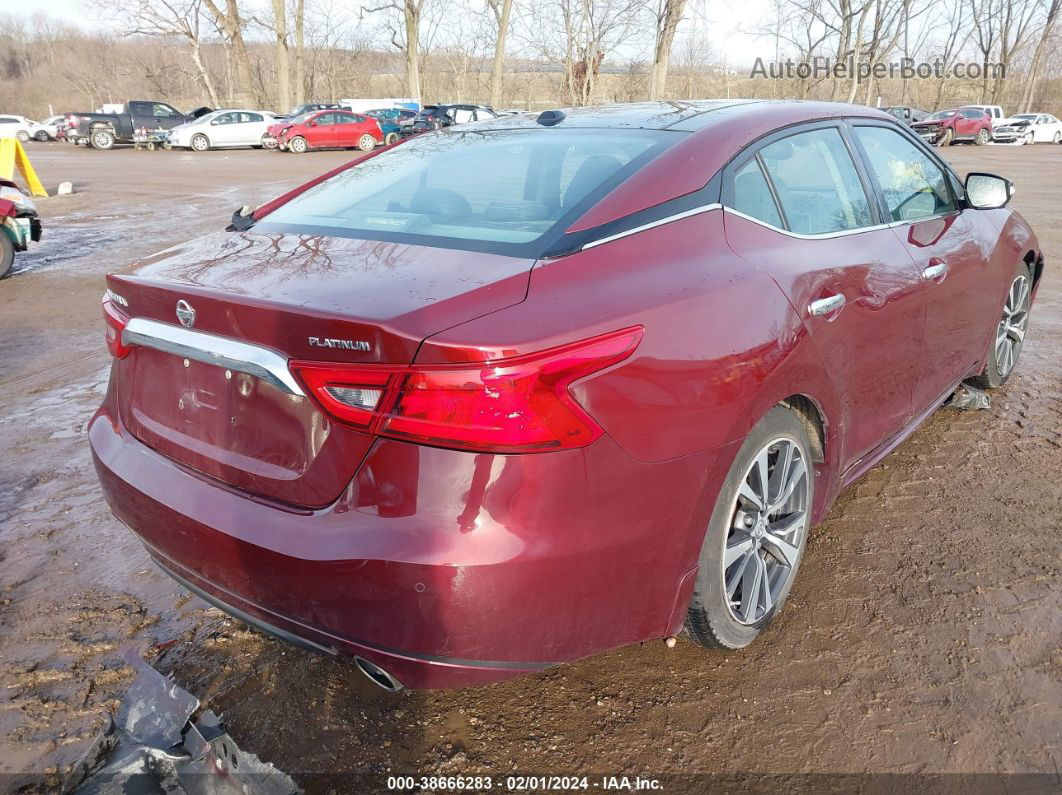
817	183
752	194
914	186
497	190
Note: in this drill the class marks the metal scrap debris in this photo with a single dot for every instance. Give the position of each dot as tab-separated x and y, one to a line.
160	742
968	398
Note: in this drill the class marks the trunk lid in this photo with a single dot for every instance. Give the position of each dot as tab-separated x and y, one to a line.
297	297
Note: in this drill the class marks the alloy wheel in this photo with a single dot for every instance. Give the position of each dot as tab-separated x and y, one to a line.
1010	335
769	518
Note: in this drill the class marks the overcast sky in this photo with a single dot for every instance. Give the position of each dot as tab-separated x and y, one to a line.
726	25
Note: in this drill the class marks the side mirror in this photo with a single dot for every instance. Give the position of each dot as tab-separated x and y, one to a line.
987	191
214	122
311	123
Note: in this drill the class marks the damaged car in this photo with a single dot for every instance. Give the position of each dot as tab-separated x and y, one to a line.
461	430
19	224
1029	128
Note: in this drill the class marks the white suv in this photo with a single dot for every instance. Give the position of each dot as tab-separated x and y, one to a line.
17	127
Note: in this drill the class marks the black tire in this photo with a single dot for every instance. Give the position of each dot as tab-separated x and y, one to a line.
298	145
946	138
1058	138
41	136
199	143
101	139
1000	366
983	136
711	620
7	254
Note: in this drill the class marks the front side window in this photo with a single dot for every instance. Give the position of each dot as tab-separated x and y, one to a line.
817	182
752	194
914	186
225	118
501	190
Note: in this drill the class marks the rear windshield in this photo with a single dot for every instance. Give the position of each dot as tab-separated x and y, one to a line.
505	191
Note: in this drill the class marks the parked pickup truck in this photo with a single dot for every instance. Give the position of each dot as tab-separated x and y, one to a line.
104	130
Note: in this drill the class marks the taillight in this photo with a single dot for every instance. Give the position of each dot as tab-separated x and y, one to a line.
115	324
517	405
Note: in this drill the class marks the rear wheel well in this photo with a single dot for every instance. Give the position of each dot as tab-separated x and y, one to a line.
811	416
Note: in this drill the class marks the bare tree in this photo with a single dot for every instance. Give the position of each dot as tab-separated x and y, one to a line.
501	9
167	18
1000	30
1039	56
231	24
580	34
404	29
300	52
280	31
668	15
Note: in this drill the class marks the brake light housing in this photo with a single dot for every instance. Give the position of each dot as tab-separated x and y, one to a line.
115	322
521	404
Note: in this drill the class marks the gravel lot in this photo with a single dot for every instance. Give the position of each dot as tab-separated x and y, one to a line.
922	636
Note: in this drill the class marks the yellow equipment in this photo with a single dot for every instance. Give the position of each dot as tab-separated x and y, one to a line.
11	155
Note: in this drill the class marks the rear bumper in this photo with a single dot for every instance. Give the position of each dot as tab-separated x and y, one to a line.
445	568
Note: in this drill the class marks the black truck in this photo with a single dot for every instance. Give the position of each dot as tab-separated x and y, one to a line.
104	130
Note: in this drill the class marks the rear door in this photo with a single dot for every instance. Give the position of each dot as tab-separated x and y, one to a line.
945	243
798	208
347	129
252	128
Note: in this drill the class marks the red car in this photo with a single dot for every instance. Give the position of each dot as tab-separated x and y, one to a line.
945	127
465	428
325	129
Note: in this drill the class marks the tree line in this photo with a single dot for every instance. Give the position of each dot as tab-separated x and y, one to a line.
519	53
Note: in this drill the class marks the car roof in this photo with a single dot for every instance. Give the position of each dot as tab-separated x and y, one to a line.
690	115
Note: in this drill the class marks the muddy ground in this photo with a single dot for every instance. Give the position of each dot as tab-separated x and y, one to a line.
922	636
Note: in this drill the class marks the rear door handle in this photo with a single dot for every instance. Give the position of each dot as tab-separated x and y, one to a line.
935	270
826	306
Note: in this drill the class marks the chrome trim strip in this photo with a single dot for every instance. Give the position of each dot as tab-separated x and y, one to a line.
225	352
842	233
651	225
820	236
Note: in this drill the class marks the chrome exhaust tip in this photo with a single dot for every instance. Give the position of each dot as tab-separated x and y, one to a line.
377	675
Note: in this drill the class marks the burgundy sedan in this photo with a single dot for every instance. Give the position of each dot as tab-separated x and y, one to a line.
505	396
